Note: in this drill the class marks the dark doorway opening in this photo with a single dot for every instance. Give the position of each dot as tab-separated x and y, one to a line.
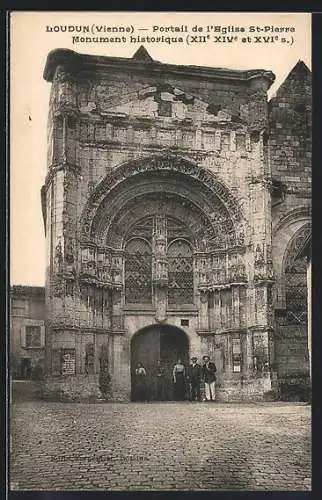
25	368
159	343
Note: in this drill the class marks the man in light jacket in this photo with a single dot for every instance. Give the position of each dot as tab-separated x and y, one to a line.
209	377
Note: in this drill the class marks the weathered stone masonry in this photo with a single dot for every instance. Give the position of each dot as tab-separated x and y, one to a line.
158	211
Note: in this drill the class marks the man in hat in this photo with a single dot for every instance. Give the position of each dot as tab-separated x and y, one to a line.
194	374
209	377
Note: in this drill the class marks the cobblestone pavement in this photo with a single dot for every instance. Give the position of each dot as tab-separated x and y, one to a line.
169	446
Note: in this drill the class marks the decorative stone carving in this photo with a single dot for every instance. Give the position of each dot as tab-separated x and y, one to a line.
204	296
65	97
159	249
117	272
69	251
260	351
259	255
161	305
203	268
58	287
117	322
174	165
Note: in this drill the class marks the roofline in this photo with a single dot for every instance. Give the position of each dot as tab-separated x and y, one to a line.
76	62
27	290
300	61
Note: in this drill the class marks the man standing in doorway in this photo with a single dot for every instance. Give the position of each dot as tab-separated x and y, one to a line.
209	377
194	374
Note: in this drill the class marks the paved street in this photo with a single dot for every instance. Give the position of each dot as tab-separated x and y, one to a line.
169	446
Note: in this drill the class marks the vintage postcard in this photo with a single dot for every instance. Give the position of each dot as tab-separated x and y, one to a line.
160	305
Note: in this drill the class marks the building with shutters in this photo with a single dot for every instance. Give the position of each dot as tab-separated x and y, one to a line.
176	204
27	331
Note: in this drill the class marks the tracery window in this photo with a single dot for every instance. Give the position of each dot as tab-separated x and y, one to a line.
164	243
296	280
138	272
180	272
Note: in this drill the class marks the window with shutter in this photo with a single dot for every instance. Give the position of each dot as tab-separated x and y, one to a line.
33	336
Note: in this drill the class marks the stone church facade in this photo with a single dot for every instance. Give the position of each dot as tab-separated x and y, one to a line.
176	208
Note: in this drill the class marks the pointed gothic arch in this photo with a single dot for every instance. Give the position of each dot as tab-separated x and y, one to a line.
295	277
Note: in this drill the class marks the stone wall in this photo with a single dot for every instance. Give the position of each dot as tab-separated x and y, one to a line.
116	129
27	308
290	158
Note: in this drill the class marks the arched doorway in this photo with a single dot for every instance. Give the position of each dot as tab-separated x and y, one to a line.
155	343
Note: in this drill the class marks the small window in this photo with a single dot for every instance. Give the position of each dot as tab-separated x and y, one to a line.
184	322
33	336
165	108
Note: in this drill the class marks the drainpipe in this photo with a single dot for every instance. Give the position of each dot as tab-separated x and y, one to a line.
309	312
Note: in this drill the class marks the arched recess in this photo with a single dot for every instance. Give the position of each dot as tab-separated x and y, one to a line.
291	322
284	230
295	278
180	201
154	343
164	174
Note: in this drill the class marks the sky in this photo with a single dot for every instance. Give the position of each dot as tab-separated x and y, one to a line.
33	35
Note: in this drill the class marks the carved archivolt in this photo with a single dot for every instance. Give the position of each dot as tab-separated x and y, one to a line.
298	213
162	174
295	278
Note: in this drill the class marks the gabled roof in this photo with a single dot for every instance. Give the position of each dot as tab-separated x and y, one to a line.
142	55
299	72
300	68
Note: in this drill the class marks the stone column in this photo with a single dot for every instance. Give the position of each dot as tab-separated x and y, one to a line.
198	138
62	186
117	290
130	134
235	306
217	306
217	140
244	354
229	355
233	140
160	267
121	368
257	103
203	310
211	307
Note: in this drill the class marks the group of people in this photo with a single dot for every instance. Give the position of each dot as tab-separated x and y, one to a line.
187	382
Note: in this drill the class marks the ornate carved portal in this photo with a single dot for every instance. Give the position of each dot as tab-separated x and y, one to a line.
170	238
